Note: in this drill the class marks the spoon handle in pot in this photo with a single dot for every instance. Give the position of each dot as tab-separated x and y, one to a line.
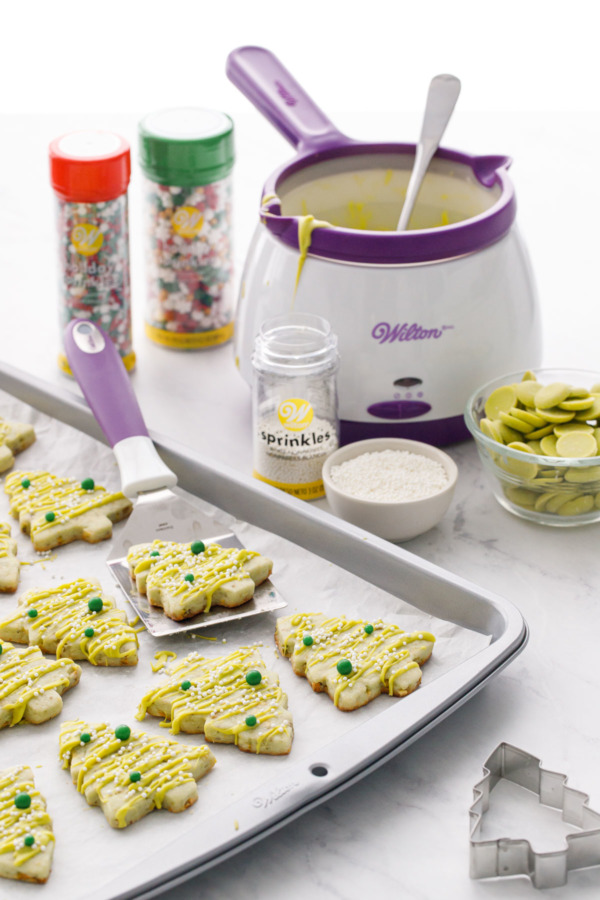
441	100
277	95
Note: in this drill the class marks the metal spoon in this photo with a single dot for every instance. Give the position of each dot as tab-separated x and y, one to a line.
441	100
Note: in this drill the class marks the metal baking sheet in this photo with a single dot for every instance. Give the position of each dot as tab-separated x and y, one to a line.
278	790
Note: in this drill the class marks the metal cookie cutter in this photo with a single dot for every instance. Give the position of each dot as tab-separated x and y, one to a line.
505	856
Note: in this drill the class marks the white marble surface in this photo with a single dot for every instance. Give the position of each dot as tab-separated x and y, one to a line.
403	831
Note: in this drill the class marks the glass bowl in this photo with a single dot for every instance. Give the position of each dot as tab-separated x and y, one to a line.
548	489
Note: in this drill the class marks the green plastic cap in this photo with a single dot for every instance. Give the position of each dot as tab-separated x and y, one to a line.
186	147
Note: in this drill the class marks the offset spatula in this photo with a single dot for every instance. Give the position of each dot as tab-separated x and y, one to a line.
160	511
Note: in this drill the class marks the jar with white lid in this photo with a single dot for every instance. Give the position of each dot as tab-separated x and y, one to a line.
187	156
295	418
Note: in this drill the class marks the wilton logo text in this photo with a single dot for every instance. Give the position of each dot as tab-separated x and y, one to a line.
386	333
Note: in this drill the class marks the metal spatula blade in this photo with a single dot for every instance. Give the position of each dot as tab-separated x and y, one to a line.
160	511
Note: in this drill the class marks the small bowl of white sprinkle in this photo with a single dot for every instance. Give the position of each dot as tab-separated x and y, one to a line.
393	487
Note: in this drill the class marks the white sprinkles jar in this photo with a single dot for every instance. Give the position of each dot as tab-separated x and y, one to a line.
295	421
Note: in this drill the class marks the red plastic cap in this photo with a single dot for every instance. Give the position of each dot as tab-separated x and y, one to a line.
90	166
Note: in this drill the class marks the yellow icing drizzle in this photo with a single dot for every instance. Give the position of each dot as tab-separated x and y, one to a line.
65	610
17	824
6	540
384	650
219	692
50	493
211	569
162	657
306	226
108	761
24	672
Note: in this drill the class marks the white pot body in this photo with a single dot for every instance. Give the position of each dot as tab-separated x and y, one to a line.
442	327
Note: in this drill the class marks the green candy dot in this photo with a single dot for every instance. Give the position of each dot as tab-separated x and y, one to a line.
344	667
307	640
368	629
50	517
135	776
89	632
23	801
253	677
186	685
95	604
251	721
1	649
88	484
29	841
32	613
25	483
155	553
123	732
189	577
84	737
197	547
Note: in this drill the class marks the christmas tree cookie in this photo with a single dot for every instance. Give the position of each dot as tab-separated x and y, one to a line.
14	437
9	564
54	511
26	838
187	579
233	699
128	773
31	685
354	661
75	620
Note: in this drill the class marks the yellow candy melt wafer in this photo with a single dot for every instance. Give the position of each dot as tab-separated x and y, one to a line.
515	424
578	403
578	506
555	415
500	400
576	444
526	392
551	395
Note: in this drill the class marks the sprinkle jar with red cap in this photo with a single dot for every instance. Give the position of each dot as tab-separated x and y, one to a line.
90	172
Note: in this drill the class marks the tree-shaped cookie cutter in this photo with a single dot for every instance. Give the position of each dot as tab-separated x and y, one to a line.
507	856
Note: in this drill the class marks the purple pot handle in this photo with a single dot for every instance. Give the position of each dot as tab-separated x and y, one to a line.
99	370
277	95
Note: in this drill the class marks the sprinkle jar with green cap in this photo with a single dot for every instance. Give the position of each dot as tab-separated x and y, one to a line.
187	157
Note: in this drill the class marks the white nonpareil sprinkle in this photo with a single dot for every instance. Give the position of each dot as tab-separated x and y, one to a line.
390	476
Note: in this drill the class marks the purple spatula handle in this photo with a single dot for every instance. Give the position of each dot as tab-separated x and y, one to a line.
99	370
269	86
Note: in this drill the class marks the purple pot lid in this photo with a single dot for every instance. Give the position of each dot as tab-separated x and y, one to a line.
391	247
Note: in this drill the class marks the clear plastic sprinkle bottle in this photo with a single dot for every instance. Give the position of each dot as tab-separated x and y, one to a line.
187	156
295	418
90	173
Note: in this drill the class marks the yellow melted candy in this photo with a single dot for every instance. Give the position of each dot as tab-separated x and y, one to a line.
384	650
24	673
65	610
219	692
5	540
17	824
211	569
50	493
162	764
